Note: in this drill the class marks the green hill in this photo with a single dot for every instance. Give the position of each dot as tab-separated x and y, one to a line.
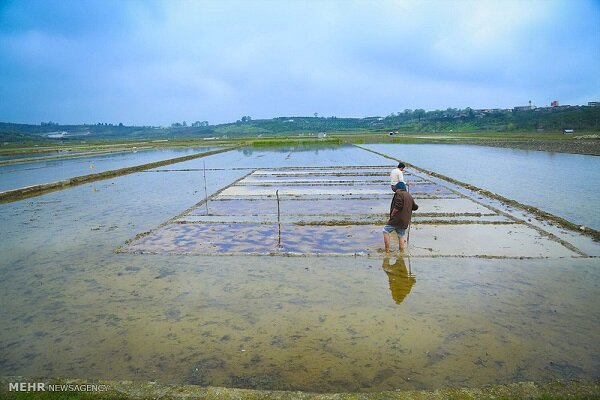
578	118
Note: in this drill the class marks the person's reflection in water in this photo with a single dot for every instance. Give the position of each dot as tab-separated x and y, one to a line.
401	280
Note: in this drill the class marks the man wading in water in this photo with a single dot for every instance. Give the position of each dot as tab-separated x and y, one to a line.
401	210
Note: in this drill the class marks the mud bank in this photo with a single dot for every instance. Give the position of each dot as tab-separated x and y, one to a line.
153	390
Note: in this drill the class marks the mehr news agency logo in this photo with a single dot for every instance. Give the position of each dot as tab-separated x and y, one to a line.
58	387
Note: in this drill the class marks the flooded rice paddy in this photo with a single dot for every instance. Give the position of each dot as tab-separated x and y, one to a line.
39	172
308	213
566	185
488	294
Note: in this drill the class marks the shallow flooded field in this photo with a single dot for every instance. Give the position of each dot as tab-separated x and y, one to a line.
567	185
71	306
38	172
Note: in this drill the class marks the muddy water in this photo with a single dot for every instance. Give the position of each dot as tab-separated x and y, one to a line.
71	306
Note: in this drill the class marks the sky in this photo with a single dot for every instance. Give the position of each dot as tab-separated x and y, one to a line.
156	62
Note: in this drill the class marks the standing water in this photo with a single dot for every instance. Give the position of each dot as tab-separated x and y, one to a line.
566	185
38	172
70	306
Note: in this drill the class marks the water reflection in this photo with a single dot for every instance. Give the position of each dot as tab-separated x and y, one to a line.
313	148
401	279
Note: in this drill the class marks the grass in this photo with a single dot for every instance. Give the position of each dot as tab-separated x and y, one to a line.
446	394
54	396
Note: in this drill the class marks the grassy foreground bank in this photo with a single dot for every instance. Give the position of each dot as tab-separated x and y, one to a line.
150	390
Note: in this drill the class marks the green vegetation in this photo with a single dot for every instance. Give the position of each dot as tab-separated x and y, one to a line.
140	391
286	141
578	118
58	396
531	129
443	122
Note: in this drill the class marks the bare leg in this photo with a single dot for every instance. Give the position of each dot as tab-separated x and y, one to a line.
386	241
401	243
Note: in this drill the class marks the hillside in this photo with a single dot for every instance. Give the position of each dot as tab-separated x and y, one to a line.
578	118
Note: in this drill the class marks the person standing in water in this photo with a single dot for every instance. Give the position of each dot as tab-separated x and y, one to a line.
401	210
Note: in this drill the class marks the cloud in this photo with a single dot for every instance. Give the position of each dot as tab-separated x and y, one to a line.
155	62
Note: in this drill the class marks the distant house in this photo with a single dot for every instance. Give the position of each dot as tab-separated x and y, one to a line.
522	108
593	103
568	131
322	135
554	103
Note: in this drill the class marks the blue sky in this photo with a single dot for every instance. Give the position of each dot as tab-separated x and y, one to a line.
156	62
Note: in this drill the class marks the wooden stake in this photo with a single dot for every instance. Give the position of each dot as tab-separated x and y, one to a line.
409	224
205	191
278	220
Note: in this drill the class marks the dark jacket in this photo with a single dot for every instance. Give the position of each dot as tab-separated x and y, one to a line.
401	209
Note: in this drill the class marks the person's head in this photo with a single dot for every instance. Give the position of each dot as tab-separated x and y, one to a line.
401	186
401	166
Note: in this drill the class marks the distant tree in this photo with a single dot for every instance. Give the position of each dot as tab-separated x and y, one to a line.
408	111
120	124
420	113
316	115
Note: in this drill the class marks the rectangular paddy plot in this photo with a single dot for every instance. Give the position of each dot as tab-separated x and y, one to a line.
341	211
